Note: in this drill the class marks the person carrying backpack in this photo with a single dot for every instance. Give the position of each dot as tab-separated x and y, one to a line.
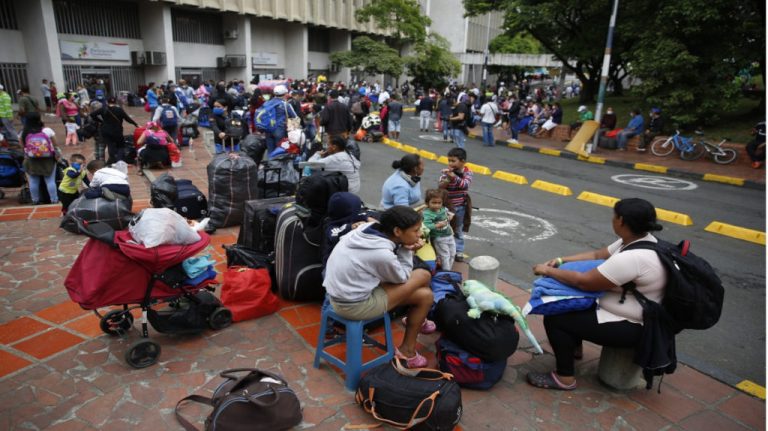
167	116
228	129
461	119
40	157
272	118
617	319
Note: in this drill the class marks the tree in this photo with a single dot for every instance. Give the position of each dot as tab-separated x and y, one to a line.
520	43
691	52
401	17
432	62
370	57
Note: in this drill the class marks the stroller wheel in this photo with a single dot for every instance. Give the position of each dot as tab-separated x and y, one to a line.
142	354
116	322
220	318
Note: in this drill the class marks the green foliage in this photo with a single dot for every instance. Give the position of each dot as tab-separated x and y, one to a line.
402	17
370	57
519	43
432	62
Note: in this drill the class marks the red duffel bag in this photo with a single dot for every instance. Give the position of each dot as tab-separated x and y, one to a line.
247	293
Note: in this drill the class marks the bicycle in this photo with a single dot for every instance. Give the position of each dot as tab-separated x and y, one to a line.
719	155
663	147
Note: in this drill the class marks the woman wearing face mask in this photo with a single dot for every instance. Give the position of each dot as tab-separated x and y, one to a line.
403	187
222	141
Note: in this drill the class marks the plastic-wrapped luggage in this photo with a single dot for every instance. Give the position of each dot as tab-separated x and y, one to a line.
298	264
278	177
116	213
232	180
254	147
260	222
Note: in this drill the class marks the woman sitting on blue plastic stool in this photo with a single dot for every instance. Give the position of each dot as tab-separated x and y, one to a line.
370	272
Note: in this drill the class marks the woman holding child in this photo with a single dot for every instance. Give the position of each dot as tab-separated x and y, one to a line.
613	322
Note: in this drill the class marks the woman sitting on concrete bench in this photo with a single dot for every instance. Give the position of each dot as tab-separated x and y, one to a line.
609	323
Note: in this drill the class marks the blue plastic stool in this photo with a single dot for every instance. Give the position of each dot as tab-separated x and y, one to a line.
353	335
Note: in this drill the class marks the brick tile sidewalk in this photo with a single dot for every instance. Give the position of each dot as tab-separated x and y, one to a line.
58	371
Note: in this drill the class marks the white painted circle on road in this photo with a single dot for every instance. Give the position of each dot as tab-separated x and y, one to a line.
654	182
431	137
509	226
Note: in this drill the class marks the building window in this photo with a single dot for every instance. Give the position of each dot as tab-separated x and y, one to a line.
319	39
118	19
8	15
13	76
197	27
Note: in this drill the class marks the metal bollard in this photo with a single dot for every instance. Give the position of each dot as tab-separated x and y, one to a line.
484	269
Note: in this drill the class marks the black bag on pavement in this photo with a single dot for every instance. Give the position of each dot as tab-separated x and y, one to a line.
491	337
312	197
607	143
256	401
278	177
154	154
240	255
115	213
298	264
254	147
163	192
231	182
191	202
259	223
418	399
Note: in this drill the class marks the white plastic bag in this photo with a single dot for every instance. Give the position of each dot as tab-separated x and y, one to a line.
157	226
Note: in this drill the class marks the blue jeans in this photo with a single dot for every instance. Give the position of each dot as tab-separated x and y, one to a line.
459	137
273	138
50	184
458	233
446	129
488	134
219	148
624	136
513	128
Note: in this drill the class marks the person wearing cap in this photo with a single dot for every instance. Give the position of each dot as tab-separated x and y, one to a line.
111	118
283	110
584	115
654	129
6	115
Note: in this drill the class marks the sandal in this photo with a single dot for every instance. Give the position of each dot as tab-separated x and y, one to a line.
427	327
417	361
549	381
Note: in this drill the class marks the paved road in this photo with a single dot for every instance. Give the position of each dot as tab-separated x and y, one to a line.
522	226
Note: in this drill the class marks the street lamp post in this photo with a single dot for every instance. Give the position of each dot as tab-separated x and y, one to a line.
487	46
604	74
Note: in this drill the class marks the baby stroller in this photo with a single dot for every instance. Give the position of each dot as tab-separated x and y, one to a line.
12	174
145	278
370	128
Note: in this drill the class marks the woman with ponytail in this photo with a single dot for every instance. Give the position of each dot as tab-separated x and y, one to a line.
612	321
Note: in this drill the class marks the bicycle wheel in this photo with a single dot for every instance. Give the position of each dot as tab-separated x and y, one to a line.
694	151
729	155
662	147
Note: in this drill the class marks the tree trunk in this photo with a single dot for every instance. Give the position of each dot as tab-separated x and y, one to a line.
589	89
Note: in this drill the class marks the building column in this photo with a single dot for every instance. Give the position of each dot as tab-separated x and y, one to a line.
157	33
341	40
296	50
239	46
41	43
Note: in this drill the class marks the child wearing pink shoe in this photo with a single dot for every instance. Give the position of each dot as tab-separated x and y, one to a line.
370	272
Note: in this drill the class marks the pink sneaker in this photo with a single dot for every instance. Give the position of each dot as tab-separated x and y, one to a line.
417	361
427	327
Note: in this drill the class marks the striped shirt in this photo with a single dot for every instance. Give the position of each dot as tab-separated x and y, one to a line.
457	187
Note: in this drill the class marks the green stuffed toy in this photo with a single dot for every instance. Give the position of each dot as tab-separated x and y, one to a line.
480	298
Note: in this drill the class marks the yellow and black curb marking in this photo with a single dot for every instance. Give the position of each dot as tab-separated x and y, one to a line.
720	228
752	388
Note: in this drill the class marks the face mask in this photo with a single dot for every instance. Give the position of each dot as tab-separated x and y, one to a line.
218	111
415	178
76	166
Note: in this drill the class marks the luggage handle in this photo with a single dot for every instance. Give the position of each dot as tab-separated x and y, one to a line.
227	374
370	406
419	372
184	422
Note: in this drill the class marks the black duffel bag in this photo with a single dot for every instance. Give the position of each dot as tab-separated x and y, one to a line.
420	399
491	337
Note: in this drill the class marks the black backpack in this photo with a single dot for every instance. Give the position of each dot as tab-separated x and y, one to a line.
694	294
312	196
234	126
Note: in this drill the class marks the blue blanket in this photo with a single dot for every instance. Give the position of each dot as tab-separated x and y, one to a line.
550	287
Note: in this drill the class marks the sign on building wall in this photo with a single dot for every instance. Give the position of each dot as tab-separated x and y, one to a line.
264	59
74	50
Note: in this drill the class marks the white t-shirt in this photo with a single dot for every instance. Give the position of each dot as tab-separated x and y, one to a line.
49	132
489	111
641	266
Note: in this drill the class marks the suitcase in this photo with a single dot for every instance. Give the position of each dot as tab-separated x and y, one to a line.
607	143
259	223
298	263
190	201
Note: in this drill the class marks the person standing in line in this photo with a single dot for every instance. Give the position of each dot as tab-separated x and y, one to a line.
111	117
6	115
40	157
27	104
395	115
45	89
426	106
488	113
458	120
336	118
444	109
54	96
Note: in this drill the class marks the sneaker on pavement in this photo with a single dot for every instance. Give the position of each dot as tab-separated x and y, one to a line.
427	327
641	149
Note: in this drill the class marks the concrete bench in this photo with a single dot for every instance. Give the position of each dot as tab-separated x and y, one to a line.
617	370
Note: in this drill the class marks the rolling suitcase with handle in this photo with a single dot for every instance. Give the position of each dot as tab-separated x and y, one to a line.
259	223
298	263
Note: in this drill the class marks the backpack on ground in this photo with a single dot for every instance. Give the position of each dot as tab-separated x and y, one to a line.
260	222
163	192
491	337
278	177
38	145
419	399
115	213
469	370
298	263
694	294
312	196
190	201
258	400
168	117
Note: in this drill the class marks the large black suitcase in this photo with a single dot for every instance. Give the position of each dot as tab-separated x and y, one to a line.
491	337
190	202
607	143
298	264
260	222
